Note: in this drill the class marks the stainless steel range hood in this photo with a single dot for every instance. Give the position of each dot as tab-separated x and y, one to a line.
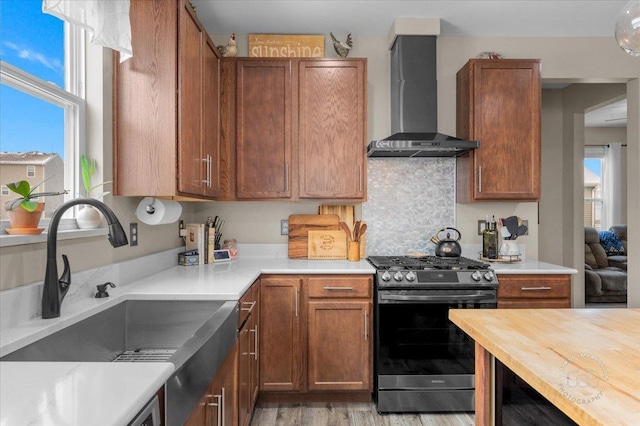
414	105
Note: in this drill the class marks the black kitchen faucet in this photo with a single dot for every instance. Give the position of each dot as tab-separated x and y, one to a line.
54	289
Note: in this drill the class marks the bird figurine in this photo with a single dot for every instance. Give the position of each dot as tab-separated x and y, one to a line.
229	50
341	48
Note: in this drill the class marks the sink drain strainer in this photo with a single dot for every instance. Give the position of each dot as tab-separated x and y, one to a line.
145	355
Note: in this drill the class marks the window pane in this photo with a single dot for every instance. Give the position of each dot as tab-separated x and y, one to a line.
593	192
32	40
32	135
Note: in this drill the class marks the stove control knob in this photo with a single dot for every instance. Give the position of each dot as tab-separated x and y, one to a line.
397	276
488	276
386	276
476	276
410	276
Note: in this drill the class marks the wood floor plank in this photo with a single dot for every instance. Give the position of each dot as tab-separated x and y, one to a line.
348	414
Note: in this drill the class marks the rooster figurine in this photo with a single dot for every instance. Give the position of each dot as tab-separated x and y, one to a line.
341	48
230	50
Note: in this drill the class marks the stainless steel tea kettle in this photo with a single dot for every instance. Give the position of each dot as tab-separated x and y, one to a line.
447	247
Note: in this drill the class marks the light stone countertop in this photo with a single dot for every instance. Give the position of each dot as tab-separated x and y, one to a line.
115	392
530	266
74	393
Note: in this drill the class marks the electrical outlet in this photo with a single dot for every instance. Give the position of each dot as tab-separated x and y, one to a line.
134	238
284	227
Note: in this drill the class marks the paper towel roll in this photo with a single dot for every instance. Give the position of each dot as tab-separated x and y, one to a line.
163	211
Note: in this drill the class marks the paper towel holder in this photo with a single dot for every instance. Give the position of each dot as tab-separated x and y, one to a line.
149	208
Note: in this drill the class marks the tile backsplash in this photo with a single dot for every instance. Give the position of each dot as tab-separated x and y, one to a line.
409	200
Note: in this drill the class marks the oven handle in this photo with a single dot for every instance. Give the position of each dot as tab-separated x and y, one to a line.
452	297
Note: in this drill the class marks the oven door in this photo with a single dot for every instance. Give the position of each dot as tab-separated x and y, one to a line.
424	362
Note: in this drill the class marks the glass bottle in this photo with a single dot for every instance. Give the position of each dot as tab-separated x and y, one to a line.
490	240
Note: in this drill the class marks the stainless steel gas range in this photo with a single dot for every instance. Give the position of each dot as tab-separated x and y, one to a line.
423	362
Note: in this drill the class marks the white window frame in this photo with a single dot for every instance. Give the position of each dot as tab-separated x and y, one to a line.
71	101
31	171
5	190
596	152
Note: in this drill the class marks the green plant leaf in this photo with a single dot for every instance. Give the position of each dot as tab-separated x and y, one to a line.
29	205
22	188
48	194
87	171
36	187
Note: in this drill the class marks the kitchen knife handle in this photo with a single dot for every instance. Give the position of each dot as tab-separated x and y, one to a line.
479	178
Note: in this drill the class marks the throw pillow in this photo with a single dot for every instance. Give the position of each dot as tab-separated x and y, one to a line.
611	243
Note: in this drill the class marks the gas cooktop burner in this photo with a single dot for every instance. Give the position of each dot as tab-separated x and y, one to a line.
399	263
431	272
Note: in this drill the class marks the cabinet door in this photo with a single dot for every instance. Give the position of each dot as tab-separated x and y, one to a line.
332	129
263	129
254	359
501	104
339	345
191	164
244	372
221	408
144	96
211	119
280	334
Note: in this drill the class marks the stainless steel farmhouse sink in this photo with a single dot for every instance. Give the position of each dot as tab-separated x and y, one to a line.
193	335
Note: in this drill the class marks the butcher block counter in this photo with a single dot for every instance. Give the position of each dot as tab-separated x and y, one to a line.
584	361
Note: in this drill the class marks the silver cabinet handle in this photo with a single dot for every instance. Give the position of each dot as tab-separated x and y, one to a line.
296	300
219	405
255	342
534	288
359	177
345	288
207	181
249	309
479	178
366	325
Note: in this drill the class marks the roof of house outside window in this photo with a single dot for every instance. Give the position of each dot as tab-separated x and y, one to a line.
26	158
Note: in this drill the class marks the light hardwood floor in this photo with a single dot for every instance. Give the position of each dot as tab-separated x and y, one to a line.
348	414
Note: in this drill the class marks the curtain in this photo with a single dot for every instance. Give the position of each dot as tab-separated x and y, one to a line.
106	20
612	186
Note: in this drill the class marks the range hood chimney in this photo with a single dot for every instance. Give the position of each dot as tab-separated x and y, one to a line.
414	104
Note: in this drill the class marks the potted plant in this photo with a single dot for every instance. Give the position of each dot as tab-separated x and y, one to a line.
88	217
24	212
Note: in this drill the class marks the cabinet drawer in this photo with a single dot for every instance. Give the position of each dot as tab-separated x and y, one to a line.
247	304
339	286
534	303
534	286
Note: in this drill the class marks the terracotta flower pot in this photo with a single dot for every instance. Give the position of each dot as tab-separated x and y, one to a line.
20	218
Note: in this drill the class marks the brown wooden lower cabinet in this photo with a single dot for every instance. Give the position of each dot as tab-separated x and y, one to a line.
248	353
316	334
534	291
218	407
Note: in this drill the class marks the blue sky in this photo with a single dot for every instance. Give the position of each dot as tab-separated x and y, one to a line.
594	164
33	41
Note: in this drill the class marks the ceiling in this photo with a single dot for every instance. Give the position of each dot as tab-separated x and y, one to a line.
499	18
559	18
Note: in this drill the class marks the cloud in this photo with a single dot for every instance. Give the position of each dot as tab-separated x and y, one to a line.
53	64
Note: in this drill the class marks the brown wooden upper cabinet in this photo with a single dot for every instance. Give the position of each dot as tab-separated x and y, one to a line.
293	129
167	106
498	104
